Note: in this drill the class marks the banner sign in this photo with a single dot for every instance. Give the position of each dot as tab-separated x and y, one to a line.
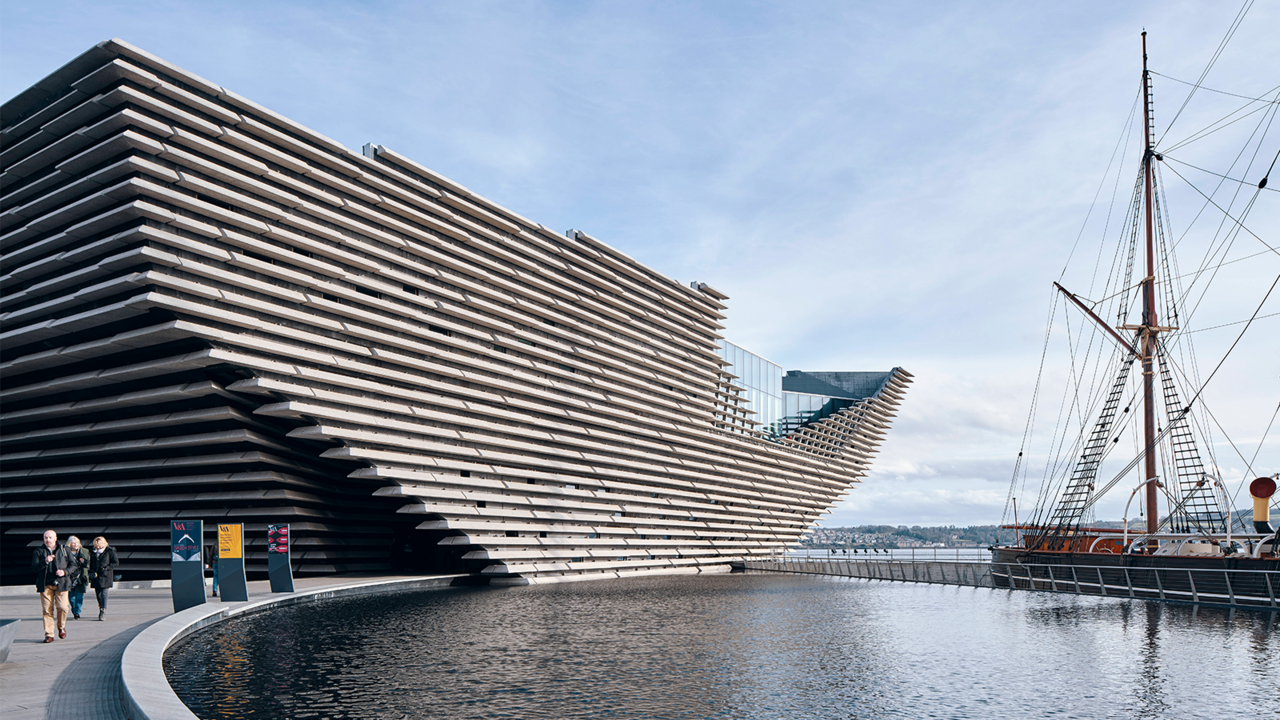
184	540
279	571
230	542
277	538
186	569
230	567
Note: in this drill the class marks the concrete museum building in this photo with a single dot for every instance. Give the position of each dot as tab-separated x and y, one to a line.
211	312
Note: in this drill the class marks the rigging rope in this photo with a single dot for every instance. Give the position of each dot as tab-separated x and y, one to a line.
1224	212
1035	401
1075	404
1249	464
1235	25
1260	98
1215	327
1229	240
1190	403
1166	156
1221	124
1122	148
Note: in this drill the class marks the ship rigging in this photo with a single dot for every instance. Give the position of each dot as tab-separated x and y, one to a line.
1163	408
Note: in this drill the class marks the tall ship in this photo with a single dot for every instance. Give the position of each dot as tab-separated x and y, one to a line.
1133	376
210	312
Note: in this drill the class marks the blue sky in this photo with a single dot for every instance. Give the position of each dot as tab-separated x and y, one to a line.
873	184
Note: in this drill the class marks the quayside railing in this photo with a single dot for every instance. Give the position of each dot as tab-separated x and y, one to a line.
942	572
975	554
1256	589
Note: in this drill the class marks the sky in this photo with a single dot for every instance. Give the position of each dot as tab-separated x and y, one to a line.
873	184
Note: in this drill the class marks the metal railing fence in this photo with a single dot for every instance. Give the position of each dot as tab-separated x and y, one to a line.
1257	589
970	554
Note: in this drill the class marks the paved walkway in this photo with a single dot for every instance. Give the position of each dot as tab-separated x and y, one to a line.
79	678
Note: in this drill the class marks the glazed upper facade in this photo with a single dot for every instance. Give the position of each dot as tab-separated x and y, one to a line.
212	312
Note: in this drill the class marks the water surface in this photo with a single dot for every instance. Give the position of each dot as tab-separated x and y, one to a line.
750	646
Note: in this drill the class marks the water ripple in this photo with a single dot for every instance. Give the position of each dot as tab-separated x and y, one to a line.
740	647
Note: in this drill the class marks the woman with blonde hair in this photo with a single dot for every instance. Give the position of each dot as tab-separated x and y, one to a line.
79	575
102	569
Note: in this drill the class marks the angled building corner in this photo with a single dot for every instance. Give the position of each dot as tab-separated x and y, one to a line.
209	311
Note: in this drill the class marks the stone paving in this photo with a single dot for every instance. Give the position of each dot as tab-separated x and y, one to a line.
79	678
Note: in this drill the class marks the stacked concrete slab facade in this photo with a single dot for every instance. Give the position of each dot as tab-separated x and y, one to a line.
210	311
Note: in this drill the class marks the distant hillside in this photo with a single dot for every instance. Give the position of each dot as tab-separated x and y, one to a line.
902	536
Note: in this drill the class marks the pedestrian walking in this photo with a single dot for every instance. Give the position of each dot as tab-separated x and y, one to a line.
79	576
52	565
210	552
102	570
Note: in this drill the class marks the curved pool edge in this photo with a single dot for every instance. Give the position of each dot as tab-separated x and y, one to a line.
146	690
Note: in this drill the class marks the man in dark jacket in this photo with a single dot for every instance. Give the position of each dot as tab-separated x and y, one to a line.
52	563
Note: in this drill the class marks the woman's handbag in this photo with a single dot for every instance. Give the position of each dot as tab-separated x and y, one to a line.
77	578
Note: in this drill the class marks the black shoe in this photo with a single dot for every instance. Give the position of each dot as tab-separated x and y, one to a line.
215	593
101	613
76	616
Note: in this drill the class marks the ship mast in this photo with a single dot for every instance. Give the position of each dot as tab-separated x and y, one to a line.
1150	326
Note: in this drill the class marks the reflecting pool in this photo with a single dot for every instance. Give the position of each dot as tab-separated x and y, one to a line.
732	646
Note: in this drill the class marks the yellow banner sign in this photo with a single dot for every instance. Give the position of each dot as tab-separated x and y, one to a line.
230	541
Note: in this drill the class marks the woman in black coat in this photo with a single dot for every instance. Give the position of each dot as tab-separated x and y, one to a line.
79	575
102	571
